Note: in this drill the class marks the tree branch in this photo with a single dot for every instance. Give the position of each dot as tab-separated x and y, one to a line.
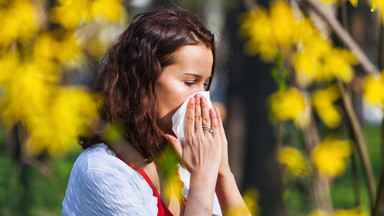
359	141
344	36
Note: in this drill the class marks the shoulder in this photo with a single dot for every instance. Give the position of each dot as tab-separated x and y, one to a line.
100	158
102	184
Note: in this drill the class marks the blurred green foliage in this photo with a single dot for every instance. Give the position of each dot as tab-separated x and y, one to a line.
298	196
44	195
25	191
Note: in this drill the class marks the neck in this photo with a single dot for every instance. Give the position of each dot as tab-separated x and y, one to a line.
130	155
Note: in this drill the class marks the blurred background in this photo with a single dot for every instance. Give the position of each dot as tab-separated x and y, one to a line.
294	149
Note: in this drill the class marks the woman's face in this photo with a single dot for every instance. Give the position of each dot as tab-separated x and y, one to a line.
188	74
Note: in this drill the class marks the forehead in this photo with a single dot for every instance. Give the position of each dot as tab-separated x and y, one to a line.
198	58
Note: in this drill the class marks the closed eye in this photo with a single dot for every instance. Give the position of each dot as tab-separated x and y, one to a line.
190	83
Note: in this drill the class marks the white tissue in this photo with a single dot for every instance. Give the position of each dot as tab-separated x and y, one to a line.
178	127
178	119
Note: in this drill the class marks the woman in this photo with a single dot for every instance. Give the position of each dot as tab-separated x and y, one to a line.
156	64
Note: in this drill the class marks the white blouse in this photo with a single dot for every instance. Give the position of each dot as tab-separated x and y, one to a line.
102	184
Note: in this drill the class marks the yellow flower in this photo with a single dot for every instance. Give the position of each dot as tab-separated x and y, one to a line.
26	93
337	63
19	20
268	31
47	47
379	4
109	9
293	161
374	89
173	187
71	13
314	58
54	116
329	1
307	59
8	65
305	31
290	105
283	23
322	101
317	60
350	212
251	197
353	2
70	114
339	212
257	25
329	156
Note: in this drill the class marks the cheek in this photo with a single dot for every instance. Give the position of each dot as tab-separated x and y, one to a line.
170	99
173	100
165	99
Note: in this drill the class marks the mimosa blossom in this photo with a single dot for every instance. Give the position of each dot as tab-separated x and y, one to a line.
374	89
339	212
71	13
53	115
293	161
19	21
329	156
314	57
323	103
46	47
269	31
290	105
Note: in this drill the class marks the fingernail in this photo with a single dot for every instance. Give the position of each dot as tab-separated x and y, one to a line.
203	99
197	96
192	100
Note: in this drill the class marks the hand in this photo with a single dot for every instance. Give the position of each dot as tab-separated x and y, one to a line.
224	164
203	149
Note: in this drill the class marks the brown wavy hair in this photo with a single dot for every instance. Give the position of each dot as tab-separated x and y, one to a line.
134	63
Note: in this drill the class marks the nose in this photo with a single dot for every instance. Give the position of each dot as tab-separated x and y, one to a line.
201	88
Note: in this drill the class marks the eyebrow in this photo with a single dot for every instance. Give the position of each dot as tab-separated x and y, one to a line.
196	75
193	74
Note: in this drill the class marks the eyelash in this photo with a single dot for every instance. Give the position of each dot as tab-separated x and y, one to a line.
189	83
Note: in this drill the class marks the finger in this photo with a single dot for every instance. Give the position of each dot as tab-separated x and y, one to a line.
175	144
214	124
198	124
190	118
206	120
222	132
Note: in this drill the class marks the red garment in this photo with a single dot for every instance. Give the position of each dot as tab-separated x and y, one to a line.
162	208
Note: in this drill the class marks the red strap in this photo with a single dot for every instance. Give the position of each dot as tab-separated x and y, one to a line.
162	208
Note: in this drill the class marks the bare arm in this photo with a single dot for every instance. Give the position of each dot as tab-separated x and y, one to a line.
205	155
201	155
229	195
226	188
